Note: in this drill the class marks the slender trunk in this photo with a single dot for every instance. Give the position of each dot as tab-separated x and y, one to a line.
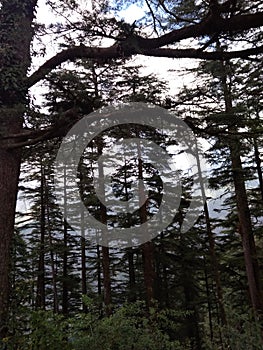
258	164
211	242
215	266
65	252
53	269
106	278
162	275
208	298
148	271
189	292
83	261
147	248
98	252
52	260
132	279
193	331
105	250
165	283
99	270
40	297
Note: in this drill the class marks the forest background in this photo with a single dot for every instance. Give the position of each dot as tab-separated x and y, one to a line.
201	289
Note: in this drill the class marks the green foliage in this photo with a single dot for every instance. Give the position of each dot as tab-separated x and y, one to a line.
130	327
242	332
45	330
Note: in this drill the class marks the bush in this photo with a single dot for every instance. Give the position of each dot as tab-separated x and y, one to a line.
45	331
129	328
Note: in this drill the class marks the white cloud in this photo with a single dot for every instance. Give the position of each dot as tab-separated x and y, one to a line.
132	13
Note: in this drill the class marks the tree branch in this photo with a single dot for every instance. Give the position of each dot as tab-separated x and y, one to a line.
59	129
135	44
208	26
196	53
72	54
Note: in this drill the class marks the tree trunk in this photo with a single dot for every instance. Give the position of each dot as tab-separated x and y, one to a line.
15	36
83	261
148	271
9	174
258	164
132	279
65	272
52	259
147	248
40	297
105	250
131	267
211	242
99	270
245	224
208	298
65	251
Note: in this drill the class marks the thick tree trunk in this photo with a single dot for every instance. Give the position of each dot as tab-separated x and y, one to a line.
9	174
245	228
244	216
15	36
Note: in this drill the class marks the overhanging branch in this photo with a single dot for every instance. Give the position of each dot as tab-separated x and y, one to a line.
135	44
195	53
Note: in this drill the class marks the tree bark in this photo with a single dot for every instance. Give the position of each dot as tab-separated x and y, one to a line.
9	174
15	37
244	216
